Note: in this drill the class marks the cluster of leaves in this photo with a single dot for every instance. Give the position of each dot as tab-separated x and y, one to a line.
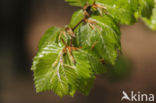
68	58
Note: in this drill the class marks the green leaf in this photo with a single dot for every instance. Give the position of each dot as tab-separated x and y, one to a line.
121	10
151	23
96	64
55	71
76	18
48	77
79	3
50	35
105	37
84	70
145	8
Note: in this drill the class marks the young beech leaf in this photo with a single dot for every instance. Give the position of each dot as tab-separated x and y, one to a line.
121	10
76	18
145	8
84	70
79	3
50	35
151	22
102	35
56	71
96	63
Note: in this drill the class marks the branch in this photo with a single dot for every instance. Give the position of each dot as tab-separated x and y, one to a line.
78	24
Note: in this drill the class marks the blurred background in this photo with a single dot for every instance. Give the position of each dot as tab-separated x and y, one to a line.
23	22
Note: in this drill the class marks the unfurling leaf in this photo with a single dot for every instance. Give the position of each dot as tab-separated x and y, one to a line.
121	10
103	37
50	35
54	71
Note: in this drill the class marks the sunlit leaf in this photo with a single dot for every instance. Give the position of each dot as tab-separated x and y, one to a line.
103	37
55	71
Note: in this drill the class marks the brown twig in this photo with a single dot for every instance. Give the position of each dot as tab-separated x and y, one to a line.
102	61
63	42
77	24
93	45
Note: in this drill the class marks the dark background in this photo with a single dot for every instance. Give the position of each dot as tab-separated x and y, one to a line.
23	22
